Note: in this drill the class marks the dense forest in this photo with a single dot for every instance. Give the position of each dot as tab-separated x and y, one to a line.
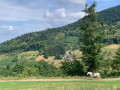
57	40
110	16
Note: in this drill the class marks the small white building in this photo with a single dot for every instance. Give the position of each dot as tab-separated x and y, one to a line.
67	57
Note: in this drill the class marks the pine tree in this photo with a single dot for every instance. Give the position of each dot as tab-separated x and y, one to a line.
91	38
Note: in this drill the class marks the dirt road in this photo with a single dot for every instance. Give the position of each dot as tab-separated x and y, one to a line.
106	79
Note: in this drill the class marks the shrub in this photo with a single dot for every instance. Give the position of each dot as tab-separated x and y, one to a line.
57	56
116	63
29	71
45	55
45	69
72	67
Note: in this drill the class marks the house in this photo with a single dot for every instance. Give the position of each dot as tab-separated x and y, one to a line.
67	57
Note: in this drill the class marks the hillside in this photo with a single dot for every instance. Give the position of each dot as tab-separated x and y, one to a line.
110	16
108	52
57	40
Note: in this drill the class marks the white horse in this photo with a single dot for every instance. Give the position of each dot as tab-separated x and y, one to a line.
94	75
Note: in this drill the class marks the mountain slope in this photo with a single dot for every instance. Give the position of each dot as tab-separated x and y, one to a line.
110	16
57	40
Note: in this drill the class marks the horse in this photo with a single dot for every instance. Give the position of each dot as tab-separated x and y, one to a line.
94	75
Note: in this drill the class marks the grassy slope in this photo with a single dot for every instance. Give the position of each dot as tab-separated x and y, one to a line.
107	52
30	55
3	57
62	85
110	50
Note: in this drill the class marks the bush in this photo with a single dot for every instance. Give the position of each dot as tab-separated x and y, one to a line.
18	68
72	67
46	55
116	63
27	68
9	73
29	71
57	56
45	69
15	59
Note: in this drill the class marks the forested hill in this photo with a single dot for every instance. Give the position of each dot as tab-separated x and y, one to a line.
57	40
110	16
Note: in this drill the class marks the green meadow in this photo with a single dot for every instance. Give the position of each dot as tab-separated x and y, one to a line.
60	85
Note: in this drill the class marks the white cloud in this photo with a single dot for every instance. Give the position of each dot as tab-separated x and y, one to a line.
78	1
60	17
77	14
13	12
10	27
60	13
7	27
75	1
47	14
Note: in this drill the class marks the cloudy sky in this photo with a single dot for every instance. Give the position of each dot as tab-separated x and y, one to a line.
18	17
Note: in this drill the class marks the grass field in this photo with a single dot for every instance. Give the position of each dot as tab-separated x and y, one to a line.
61	85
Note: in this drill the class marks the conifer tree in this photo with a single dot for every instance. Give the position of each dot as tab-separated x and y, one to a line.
91	38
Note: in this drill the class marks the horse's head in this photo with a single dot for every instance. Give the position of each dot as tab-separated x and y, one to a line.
89	73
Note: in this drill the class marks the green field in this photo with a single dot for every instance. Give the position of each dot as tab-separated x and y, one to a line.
60	85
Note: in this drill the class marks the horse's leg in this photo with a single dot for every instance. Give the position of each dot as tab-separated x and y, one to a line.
92	76
99	77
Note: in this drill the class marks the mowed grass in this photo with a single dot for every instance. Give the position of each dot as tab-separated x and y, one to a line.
60	85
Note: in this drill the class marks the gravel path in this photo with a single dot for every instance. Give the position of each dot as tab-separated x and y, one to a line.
106	79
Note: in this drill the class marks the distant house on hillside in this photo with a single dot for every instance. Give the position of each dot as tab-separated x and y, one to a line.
67	57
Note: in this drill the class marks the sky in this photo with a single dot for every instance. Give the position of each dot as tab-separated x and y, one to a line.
18	17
